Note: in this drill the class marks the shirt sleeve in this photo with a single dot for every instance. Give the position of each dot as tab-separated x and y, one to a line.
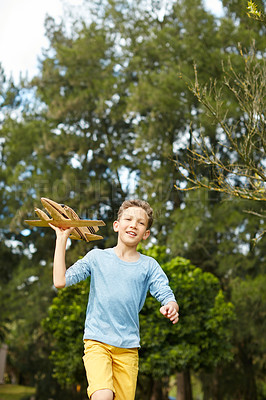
80	270
159	285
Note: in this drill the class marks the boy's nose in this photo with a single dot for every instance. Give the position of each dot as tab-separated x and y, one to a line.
133	223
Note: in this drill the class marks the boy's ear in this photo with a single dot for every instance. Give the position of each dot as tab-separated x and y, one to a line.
146	235
115	226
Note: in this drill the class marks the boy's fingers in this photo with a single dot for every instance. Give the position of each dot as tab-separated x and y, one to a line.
163	310
175	318
173	315
62	231
52	226
170	313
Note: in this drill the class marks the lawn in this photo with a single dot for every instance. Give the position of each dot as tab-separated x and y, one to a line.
15	392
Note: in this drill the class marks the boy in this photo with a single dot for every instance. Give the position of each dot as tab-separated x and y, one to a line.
120	279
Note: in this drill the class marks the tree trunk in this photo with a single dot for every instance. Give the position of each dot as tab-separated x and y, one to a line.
144	387
184	391
209	382
160	389
249	391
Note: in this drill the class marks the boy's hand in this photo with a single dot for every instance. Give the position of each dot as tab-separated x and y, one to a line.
170	311
62	232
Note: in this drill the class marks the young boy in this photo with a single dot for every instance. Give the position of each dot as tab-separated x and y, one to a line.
120	279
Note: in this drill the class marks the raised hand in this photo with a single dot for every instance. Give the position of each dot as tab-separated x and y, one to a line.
62	232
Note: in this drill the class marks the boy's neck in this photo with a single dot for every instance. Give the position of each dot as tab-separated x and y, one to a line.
126	253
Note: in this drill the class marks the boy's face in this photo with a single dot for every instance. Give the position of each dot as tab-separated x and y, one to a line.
132	226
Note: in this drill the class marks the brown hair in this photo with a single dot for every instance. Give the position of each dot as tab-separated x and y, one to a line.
137	203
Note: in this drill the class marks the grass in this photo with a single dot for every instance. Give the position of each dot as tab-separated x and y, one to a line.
15	392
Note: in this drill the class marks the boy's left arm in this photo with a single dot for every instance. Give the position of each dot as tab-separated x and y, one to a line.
170	311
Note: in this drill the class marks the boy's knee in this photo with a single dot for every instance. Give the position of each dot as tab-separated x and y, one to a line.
104	394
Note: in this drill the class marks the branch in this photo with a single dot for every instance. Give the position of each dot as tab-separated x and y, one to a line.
239	170
254	13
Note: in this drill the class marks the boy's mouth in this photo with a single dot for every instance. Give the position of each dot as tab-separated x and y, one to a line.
130	233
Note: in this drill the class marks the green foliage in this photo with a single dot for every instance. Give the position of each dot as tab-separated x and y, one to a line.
65	325
201	339
249	297
217	236
10	259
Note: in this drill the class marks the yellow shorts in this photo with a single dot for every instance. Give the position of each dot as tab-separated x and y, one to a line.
109	367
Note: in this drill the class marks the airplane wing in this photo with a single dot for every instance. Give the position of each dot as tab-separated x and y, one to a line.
64	223
63	216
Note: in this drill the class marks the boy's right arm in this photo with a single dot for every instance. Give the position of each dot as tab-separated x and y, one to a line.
59	269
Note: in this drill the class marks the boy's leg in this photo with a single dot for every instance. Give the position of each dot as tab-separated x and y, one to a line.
103	394
125	373
98	365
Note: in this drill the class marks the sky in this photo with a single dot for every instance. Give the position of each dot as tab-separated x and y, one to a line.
22	34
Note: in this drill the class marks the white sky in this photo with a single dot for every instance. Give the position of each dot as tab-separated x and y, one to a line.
22	31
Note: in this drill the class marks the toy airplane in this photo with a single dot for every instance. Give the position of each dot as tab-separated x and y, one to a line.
64	217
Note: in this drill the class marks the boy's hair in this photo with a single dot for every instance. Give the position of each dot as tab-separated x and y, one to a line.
137	203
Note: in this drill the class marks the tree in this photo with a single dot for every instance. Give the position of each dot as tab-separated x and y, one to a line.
64	325
217	237
241	173
201	339
160	102
85	104
7	269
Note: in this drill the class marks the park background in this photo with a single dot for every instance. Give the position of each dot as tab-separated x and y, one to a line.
133	99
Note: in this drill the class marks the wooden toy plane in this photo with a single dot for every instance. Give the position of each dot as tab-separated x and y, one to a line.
63	216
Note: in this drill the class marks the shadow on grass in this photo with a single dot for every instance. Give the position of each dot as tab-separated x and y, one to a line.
16	392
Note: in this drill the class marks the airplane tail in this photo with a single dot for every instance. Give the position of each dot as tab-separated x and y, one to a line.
89	237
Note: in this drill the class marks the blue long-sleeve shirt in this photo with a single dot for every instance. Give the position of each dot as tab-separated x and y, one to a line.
117	294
